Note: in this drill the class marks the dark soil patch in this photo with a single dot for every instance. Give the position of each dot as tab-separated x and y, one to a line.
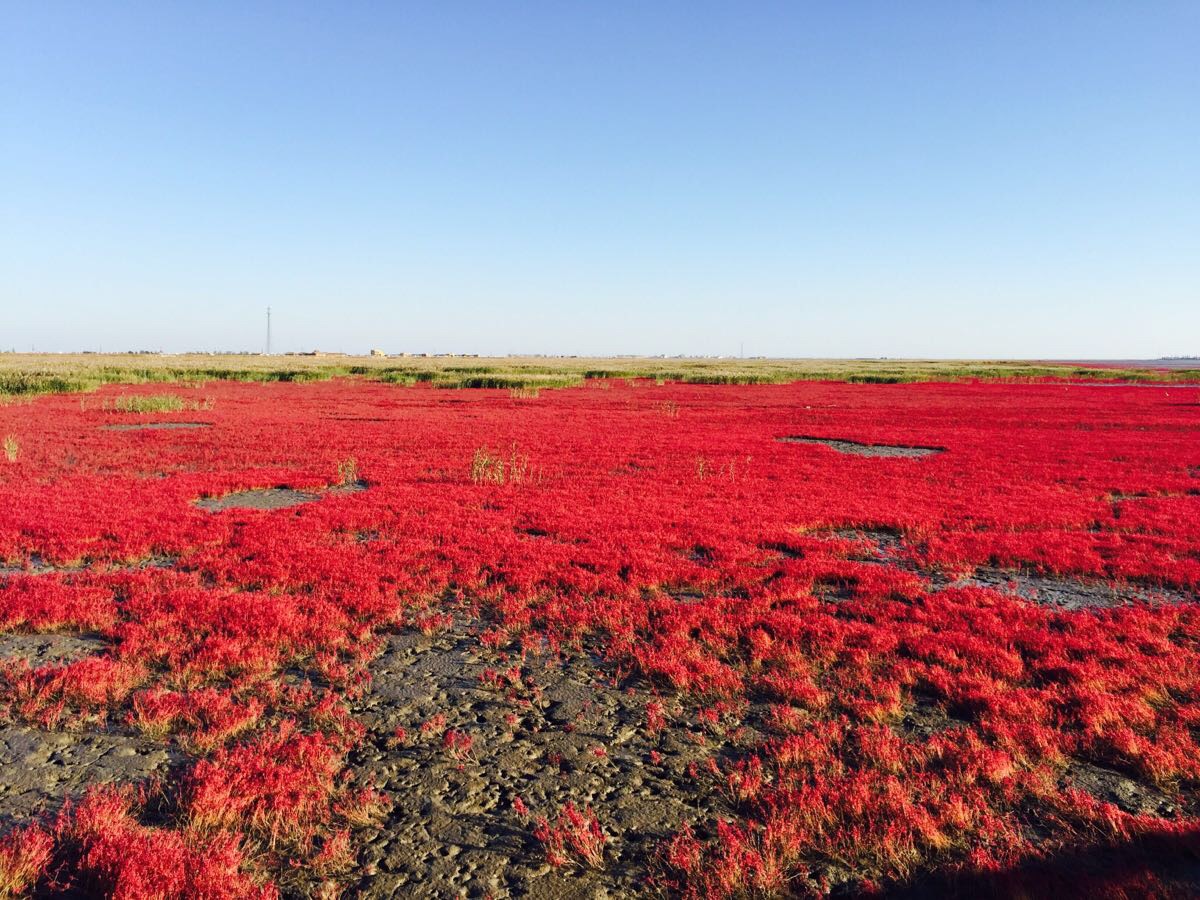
834	590
36	565
39	769
453	830
857	448
1120	790
686	594
785	551
156	426
884	546
258	498
924	717
274	498
46	649
1065	592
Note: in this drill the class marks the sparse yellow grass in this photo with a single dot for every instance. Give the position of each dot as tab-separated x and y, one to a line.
155	403
29	374
347	471
495	468
12	449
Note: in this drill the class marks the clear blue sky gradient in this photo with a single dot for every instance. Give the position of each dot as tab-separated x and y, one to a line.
1015	179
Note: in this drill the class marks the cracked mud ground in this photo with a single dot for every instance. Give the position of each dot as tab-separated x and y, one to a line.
561	734
41	769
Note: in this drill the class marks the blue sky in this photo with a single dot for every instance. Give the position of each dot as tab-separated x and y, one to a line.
841	179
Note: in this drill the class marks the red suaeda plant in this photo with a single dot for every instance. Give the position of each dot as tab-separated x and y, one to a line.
363	807
435	725
572	832
457	743
24	855
98	848
280	788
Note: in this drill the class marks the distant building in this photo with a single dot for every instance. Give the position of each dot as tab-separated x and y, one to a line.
378	353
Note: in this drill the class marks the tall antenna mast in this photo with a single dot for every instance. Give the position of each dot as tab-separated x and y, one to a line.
268	331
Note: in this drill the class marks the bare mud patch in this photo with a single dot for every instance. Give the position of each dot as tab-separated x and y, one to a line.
687	595
37	565
559	735
156	426
258	498
1064	592
1069	593
839	589
782	550
1122	791
924	717
857	448
49	649
39	769
274	498
882	546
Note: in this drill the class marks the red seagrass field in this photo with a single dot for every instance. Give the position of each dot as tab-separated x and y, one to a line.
354	639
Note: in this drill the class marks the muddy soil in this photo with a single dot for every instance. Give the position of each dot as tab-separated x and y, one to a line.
156	426
565	736
1064	592
49	649
886	547
1069	593
260	498
1122	791
857	448
274	498
924	717
36	565
40	769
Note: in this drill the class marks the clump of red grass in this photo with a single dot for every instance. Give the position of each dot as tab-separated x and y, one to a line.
572	834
